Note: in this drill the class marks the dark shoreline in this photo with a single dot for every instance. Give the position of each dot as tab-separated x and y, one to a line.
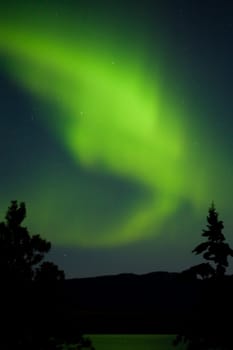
154	303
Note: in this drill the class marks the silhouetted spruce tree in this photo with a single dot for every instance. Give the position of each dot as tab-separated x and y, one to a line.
30	290
215	249
209	329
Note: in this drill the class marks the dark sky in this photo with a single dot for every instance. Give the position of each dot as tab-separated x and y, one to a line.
116	127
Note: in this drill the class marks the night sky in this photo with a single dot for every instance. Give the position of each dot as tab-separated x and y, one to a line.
116	127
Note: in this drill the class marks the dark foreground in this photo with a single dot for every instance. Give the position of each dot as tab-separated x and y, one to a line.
155	303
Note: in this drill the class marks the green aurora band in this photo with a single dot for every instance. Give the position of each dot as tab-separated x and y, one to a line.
112	118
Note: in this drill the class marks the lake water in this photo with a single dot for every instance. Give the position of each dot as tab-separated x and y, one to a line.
134	342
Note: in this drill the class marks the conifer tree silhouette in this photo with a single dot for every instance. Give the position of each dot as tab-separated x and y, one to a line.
31	290
215	249
209	329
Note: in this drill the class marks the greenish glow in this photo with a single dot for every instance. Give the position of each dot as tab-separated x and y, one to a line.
114	118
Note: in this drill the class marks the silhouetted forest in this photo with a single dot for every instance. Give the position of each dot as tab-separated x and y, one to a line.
42	310
32	291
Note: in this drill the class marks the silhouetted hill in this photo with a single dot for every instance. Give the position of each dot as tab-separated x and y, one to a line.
157	302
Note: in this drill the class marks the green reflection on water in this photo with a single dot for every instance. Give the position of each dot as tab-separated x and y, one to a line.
133	342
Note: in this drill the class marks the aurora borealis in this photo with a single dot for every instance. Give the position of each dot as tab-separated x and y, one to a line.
116	126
